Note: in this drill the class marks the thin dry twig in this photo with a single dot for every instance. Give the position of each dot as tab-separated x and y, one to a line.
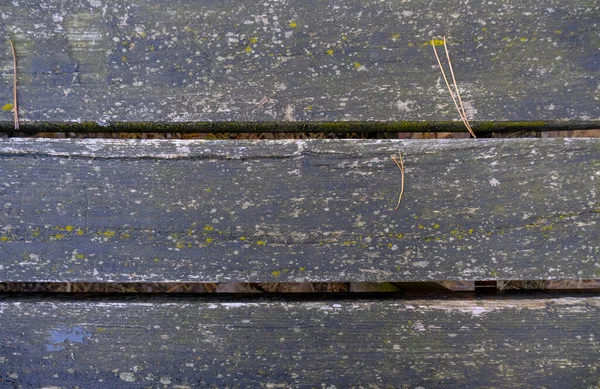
457	104
15	106
400	164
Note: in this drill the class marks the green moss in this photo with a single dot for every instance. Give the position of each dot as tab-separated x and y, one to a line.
327	127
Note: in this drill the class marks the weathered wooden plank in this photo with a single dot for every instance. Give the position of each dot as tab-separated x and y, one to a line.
341	60
201	342
295	211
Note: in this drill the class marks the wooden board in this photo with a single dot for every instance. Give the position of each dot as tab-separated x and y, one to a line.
536	341
298	211
300	61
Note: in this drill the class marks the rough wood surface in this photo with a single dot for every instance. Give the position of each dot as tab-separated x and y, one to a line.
268	211
215	343
312	61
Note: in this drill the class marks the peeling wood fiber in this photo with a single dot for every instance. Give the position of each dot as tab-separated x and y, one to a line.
298	211
306	61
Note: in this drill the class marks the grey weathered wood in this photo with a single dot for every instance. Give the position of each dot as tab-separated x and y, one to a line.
313	61
259	211
536	341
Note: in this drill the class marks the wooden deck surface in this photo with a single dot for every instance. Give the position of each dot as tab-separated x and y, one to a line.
300	61
298	211
533	341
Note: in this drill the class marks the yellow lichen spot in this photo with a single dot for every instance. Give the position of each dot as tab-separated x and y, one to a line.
142	34
108	233
523	39
4	239
471	230
69	228
357	65
454	232
79	256
395	36
59	236
436	42
330	51
254	40
411	44
399	236
420	226
209	228
155	259
152	48
293	24
302	268
243	238
558	32
276	273
209	240
248	49
546	228
7	107
261	242
179	245
390	245
484	29
80	232
123	58
436	226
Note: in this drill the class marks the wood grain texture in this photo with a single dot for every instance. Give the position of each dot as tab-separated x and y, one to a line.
308	61
386	343
298	211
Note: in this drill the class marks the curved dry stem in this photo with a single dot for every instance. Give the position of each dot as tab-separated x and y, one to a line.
461	113
400	165
15	106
